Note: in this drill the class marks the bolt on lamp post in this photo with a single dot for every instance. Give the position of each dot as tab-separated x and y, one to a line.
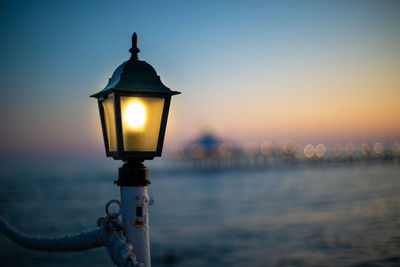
133	112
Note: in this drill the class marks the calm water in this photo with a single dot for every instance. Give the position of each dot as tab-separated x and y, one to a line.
319	216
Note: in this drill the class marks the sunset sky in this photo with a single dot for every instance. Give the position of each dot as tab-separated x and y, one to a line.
312	71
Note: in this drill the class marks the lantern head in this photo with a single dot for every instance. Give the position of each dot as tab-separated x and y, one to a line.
134	110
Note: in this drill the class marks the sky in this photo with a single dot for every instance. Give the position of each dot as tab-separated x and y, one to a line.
312	71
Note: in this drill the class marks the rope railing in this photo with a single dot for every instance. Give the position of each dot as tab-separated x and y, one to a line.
77	242
109	234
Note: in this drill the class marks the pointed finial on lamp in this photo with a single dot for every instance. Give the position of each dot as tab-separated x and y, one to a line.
134	49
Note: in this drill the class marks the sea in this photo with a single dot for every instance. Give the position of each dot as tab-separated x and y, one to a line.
311	215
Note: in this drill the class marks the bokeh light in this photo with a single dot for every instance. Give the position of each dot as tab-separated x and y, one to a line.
337	150
349	149
299	151
309	151
266	148
289	147
225	150
176	152
197	151
320	150
250	149
278	147
378	148
365	148
396	147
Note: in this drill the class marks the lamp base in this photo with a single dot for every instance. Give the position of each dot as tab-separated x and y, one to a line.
133	174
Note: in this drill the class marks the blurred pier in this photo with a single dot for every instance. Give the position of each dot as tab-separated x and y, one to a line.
209	152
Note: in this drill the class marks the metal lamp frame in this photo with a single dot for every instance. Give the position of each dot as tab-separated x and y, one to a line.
121	153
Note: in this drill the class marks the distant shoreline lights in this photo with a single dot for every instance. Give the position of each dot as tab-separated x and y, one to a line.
287	150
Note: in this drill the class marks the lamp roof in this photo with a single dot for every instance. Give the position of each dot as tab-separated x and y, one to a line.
136	76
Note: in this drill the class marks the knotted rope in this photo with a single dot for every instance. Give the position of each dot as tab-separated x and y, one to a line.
109	233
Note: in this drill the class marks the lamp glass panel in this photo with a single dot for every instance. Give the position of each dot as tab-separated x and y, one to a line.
141	121
109	120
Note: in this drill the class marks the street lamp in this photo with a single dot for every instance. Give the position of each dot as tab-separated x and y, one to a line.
133	110
133	113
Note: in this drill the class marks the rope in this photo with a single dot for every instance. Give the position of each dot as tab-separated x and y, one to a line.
77	242
120	251
109	233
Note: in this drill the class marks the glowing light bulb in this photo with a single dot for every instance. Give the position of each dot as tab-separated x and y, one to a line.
135	115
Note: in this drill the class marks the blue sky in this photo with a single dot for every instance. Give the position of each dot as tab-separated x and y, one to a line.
307	70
